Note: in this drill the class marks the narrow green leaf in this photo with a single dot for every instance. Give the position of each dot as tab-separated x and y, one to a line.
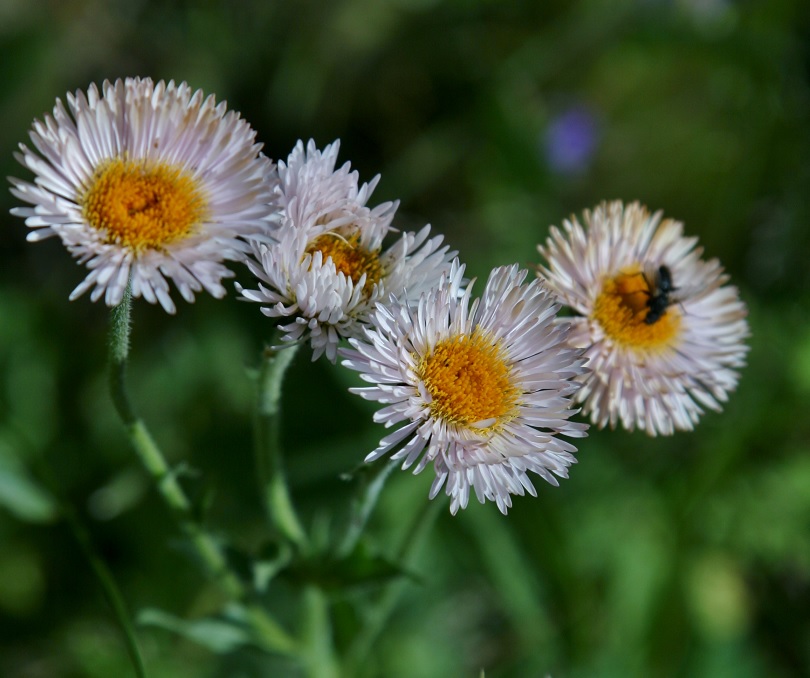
108	584
361	567
21	495
218	635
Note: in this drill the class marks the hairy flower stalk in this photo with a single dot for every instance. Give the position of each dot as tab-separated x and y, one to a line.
268	632
275	494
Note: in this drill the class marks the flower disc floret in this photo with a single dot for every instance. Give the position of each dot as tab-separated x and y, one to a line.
621	309
349	256
138	206
469	381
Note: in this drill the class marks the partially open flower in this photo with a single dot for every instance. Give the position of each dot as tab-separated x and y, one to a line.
328	269
663	334
144	182
483	389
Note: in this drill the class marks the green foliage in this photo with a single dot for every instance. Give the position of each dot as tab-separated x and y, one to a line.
22	495
217	635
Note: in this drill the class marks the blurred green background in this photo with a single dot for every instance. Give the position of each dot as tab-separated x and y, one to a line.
685	556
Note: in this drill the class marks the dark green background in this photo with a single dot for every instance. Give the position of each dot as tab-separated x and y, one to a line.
683	556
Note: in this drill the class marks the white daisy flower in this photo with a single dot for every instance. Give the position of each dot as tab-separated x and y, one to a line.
483	388
663	333
144	182
328	269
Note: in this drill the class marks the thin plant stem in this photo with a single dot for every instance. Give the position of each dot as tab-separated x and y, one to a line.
319	658
103	573
108	585
372	482
269	633
381	610
275	493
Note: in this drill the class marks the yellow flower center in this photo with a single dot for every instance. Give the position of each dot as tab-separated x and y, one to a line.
469	381
143	206
349	256
621	309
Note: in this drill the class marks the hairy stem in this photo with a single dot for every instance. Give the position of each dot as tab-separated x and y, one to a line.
275	493
269	633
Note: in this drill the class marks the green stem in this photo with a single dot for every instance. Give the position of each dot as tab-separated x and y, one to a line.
275	493
269	633
319	656
108	585
372	480
385	604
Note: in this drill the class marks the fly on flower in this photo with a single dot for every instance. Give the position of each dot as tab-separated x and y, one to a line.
660	295
663	333
328	269
144	182
480	388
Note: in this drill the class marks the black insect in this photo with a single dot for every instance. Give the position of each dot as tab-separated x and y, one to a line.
660	295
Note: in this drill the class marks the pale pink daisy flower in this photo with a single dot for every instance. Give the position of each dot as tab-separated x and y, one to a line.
482	389
328	269
663	333
146	182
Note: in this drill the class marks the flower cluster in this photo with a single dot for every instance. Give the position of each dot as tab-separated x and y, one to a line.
328	269
148	182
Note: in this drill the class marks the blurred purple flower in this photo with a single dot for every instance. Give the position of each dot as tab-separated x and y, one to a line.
570	140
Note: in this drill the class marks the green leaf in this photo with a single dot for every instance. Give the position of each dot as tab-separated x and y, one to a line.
272	561
361	567
21	495
218	635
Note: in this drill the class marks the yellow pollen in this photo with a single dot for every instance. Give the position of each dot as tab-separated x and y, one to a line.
469	381
349	256
143	206
621	309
